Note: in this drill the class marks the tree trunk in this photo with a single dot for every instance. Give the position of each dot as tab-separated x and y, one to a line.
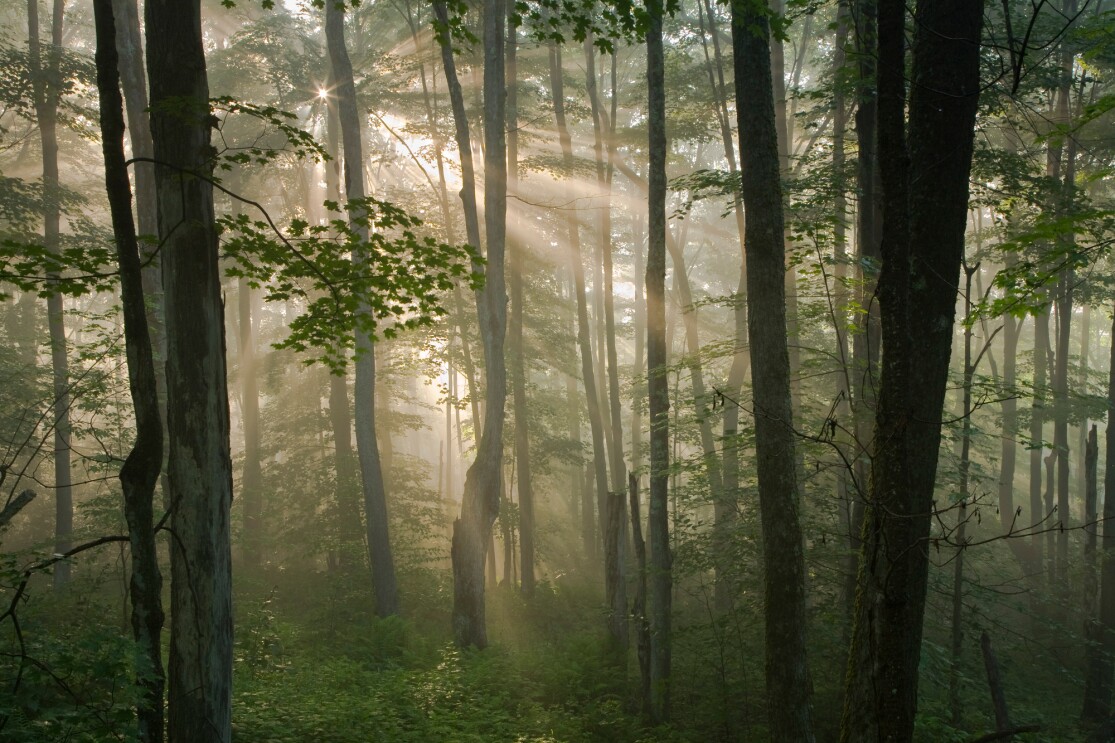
639	607
516	253
140	472
367	446
200	470
480	504
615	536
45	88
251	483
789	686
658	525
1092	635
925	182
616	622
1038	512
1097	697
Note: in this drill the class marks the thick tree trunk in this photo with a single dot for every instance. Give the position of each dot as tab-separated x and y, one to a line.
367	446
45	87
925	182
140	472
659	598
480	504
787	671
200	470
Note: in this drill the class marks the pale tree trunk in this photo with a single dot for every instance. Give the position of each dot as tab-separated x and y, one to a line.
367	445
45	88
925	186
516	251
200	470
1037	418
787	671
133	79
480	505
140	472
251	482
617	625
615	536
340	418
724	505
659	574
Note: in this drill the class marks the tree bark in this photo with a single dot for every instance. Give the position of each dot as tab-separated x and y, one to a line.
367	445
140	473
1097	699
925	187
789	686
516	254
45	89
200	470
480	504
660	578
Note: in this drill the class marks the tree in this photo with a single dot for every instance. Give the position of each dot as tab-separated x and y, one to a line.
46	90
787	671
660	579
200	467
924	170
141	469
367	446
472	531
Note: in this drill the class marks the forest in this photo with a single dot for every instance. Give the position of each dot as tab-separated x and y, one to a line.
557	371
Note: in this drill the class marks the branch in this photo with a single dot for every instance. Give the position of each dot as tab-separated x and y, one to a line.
15	505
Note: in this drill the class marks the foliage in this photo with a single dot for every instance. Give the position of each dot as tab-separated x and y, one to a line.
391	281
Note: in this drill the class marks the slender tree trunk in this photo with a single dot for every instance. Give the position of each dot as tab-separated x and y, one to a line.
787	671
200	470
1092	633
639	606
1038	513
866	342
480	504
367	446
251	483
1097	693
133	79
617	623
140	472
615	537
925	186
659	598
516	253
46	87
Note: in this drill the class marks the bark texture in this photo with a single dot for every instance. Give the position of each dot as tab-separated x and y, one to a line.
140	473
789	687
925	187
200	470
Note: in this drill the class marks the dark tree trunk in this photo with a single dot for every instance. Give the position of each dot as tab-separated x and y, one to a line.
1038	512
789	686
925	187
1097	699
200	470
367	445
660	577
140	472
639	606
480	505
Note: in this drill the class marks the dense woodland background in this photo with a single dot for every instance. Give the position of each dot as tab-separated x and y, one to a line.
557	371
